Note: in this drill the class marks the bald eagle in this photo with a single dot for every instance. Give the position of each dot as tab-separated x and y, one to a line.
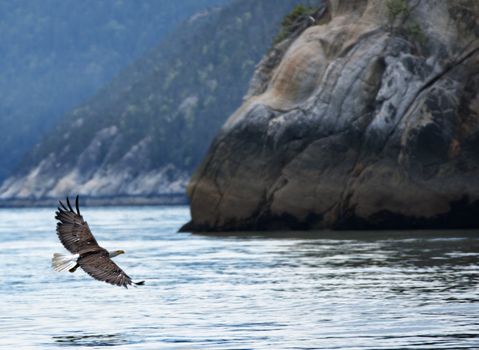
77	238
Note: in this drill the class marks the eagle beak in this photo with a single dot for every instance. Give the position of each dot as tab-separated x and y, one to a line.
116	253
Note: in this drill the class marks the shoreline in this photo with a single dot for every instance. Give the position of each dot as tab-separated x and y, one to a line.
166	199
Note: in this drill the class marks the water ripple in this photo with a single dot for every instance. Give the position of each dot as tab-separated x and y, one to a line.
284	290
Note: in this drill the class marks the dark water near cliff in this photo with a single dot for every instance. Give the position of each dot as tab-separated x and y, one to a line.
361	290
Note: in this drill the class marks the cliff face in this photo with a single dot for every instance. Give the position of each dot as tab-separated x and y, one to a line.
368	119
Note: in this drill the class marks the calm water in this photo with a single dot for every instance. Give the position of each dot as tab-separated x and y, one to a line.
360	290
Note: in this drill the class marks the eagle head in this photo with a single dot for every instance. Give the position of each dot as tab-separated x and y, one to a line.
116	253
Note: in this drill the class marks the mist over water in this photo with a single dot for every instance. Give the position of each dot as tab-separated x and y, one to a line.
320	290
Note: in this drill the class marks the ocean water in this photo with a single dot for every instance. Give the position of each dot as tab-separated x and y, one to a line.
321	290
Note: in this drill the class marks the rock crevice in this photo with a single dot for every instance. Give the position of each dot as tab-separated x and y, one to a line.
364	123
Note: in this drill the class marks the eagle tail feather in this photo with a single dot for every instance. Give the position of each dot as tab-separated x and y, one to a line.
62	262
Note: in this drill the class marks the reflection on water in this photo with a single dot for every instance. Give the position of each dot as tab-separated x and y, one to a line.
316	290
91	340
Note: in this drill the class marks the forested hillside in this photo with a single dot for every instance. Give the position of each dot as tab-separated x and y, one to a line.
147	131
57	53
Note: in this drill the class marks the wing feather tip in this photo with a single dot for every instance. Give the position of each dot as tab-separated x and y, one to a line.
63	205
77	204
69	205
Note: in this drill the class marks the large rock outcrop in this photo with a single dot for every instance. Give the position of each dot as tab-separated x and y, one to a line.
368	119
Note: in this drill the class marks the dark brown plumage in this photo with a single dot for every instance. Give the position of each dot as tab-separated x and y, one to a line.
77	238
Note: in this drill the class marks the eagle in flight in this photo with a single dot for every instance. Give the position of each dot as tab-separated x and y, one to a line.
77	238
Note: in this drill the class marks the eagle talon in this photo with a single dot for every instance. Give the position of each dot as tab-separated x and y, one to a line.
74	268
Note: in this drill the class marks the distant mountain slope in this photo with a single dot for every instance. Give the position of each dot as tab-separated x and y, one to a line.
57	53
146	132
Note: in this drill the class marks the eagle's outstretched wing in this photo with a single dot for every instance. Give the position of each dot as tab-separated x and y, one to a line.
99	266
72	230
76	236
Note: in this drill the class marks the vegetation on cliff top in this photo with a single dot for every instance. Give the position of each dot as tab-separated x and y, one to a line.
399	11
290	21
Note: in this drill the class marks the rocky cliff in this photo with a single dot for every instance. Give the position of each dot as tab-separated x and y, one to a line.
368	119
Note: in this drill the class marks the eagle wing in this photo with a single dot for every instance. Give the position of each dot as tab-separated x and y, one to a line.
72	230
99	266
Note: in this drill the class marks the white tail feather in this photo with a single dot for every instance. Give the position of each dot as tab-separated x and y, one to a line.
62	262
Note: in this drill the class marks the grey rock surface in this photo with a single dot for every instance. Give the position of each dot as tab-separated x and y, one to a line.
92	174
369	119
